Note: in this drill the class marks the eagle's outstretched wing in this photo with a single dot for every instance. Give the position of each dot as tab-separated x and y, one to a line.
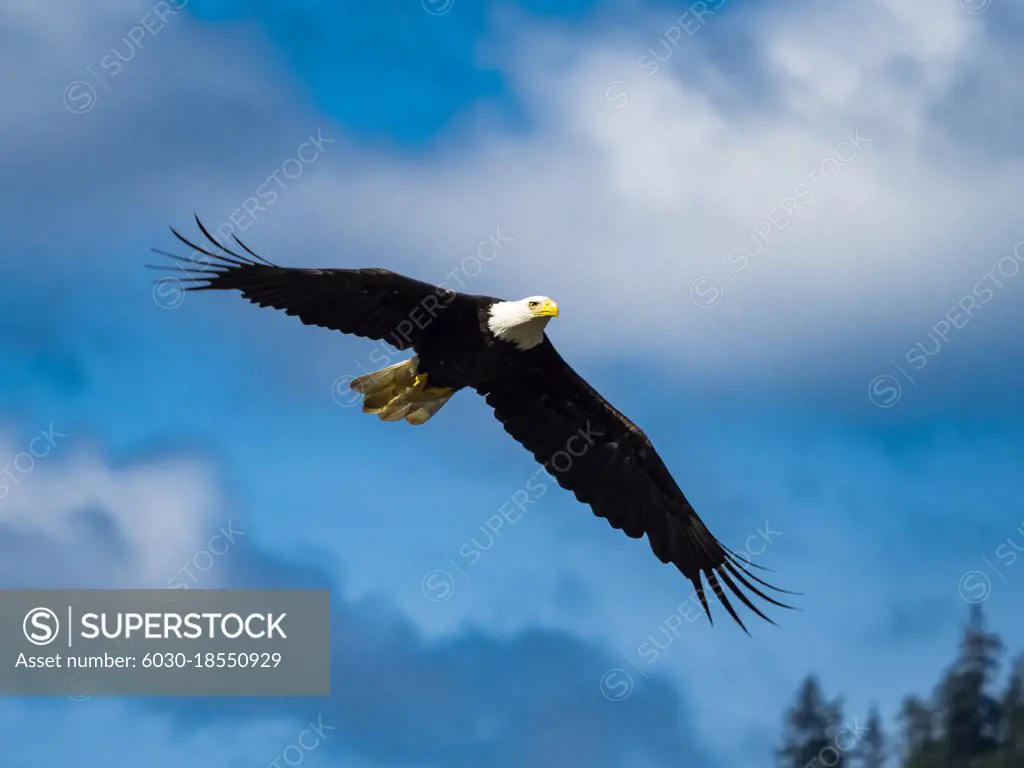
373	303
594	451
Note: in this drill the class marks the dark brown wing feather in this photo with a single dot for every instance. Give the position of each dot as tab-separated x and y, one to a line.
597	453
373	303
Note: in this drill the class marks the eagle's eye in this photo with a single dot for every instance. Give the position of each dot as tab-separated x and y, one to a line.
534	304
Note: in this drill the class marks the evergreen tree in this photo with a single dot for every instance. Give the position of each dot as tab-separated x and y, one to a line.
870	751
964	725
812	738
921	745
1011	732
969	717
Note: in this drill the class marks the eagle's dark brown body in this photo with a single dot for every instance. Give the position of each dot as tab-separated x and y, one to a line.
454	347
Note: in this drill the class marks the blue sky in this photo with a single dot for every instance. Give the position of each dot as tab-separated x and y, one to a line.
783	241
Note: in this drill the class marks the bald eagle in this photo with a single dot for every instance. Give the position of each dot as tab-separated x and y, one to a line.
499	349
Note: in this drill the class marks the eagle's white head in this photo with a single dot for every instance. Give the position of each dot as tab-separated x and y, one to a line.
522	322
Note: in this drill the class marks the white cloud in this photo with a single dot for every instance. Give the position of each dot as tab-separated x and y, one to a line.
631	219
619	214
71	519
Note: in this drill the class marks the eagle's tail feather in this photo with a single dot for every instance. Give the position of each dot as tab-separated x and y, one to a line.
377	381
399	392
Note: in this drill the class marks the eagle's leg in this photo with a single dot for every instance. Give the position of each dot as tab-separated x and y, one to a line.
399	392
419	384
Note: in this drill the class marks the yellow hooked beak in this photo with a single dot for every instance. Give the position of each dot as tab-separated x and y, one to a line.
548	308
